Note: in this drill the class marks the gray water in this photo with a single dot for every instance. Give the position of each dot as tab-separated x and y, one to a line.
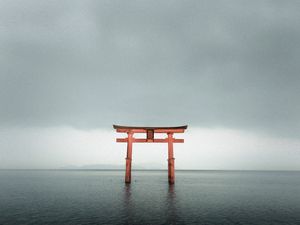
101	197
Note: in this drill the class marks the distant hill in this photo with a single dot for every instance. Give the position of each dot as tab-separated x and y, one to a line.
114	167
94	167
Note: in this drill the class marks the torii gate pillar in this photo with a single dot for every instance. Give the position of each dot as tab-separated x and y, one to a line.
171	159
128	158
150	131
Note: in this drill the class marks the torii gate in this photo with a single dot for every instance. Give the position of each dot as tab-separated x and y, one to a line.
150	131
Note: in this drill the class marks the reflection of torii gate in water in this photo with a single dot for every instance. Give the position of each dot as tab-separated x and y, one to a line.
150	131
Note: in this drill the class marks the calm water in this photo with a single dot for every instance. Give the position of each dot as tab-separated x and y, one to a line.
101	197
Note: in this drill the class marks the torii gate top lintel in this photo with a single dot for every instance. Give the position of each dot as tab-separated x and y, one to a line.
150	131
136	129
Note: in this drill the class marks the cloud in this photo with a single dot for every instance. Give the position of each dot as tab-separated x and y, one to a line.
206	63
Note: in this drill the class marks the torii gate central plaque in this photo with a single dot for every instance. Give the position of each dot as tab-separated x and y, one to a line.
150	131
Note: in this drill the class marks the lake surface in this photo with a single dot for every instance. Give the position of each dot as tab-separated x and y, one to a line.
101	197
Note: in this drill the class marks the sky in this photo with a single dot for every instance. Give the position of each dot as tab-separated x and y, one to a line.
228	69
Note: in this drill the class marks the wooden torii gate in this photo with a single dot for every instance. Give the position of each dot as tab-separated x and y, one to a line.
150	131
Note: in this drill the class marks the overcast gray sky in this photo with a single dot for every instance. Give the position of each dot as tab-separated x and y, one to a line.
222	67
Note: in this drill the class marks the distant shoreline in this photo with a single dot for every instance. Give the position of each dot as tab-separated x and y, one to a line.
179	170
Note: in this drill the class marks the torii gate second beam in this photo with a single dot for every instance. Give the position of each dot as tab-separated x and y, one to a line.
150	131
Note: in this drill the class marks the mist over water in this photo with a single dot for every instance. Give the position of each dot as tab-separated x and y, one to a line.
101	197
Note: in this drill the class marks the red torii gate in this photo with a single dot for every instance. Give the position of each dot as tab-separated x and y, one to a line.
150	131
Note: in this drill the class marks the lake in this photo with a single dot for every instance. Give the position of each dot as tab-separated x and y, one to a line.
101	197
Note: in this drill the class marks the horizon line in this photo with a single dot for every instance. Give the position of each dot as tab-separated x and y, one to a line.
208	170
